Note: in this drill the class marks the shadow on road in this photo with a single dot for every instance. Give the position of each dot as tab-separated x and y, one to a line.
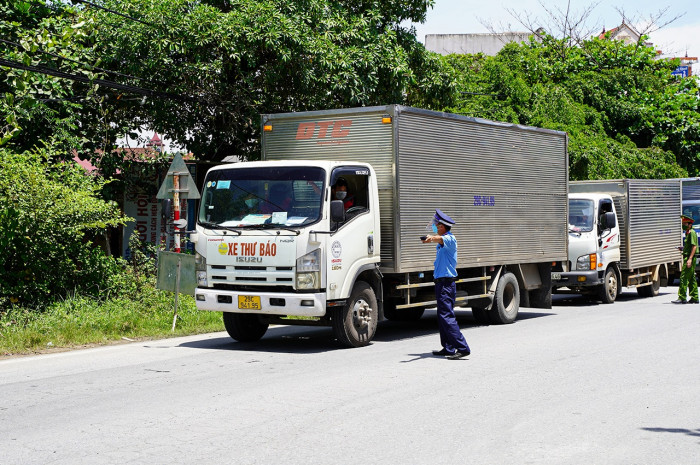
687	432
278	339
308	339
578	300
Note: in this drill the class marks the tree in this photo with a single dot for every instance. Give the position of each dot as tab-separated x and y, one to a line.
48	89
224	63
625	114
48	212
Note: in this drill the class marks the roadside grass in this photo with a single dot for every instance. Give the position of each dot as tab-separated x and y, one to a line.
79	321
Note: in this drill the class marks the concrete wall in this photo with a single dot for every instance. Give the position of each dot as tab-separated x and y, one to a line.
488	44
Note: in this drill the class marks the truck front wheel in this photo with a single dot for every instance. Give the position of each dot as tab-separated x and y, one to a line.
506	302
244	327
607	292
356	323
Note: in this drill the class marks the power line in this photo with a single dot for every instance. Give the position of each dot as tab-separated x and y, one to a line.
101	82
116	73
112	11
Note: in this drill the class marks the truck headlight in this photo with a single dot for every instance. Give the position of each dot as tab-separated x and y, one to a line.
586	262
309	270
307	280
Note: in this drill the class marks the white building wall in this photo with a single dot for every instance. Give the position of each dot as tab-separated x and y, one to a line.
488	44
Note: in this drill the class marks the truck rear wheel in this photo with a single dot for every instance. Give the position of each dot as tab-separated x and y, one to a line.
506	302
652	290
356	323
607	292
244	327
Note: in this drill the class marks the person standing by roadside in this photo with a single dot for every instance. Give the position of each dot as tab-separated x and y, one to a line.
454	346
688	282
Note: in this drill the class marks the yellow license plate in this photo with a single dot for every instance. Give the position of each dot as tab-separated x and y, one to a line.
249	302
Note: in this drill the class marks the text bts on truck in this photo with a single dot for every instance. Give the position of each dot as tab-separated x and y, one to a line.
621	233
273	246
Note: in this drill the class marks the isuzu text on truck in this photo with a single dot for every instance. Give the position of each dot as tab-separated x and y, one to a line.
621	233
274	247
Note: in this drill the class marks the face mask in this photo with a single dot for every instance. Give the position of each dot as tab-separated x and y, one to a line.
340	195
434	229
250	203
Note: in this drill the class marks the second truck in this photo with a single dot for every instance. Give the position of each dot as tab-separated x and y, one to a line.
622	233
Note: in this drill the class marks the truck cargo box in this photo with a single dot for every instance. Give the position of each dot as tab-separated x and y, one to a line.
505	185
649	216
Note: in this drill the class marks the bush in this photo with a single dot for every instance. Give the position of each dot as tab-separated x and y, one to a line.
48	213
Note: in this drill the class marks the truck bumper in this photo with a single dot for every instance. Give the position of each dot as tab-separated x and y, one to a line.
271	303
574	279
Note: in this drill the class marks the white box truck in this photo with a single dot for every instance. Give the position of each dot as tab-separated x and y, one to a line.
272	246
621	233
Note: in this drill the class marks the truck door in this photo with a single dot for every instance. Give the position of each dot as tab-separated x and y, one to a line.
609	238
352	242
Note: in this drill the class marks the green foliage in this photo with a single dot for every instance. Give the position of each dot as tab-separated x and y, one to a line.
231	61
38	107
625	114
79	320
49	213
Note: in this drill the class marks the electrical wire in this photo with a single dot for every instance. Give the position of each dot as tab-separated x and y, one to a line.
116	73
112	11
101	82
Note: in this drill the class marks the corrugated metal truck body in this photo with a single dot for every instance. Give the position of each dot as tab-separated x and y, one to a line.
504	185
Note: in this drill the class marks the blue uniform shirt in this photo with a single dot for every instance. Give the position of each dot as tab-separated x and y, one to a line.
446	257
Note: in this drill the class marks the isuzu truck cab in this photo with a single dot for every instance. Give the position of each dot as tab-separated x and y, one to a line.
269	244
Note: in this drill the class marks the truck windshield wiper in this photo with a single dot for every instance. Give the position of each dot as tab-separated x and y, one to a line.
218	226
274	226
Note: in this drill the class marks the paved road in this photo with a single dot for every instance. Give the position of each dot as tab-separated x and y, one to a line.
580	384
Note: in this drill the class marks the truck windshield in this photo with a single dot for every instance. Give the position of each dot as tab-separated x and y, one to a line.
692	209
581	215
262	197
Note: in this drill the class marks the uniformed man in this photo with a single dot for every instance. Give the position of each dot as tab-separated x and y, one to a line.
454	346
688	281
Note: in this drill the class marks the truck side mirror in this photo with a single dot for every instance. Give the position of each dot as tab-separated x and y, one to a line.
337	211
609	220
166	209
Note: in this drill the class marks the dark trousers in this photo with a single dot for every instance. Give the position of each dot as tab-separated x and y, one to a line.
451	337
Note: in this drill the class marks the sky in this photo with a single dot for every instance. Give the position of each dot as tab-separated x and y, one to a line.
469	16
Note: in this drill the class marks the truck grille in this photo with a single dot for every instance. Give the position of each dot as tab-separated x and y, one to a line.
254	275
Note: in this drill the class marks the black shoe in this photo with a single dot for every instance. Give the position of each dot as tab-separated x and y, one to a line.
443	352
693	301
458	355
679	301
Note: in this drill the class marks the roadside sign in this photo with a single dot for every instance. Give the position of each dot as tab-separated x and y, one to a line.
681	71
170	265
187	188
